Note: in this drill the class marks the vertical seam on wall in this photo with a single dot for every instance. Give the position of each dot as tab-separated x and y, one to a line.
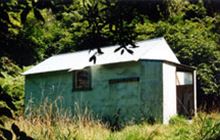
162	84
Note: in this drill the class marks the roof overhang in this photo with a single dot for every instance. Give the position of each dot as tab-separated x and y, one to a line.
184	68
179	67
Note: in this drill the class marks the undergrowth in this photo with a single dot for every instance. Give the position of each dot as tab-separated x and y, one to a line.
84	127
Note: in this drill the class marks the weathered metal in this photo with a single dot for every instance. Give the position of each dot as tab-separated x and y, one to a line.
134	87
153	49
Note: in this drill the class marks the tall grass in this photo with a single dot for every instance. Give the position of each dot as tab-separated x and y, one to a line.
50	125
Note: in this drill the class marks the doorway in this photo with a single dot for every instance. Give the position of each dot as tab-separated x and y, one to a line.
185	94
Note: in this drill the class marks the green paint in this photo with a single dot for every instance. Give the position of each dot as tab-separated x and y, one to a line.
151	89
135	99
53	87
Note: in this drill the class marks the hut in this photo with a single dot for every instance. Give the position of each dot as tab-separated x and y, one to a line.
150	83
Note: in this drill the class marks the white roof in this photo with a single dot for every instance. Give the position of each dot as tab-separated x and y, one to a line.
153	49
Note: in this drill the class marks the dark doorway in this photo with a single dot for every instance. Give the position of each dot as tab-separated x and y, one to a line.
185	94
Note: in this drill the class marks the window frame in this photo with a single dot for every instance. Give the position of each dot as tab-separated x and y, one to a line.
76	80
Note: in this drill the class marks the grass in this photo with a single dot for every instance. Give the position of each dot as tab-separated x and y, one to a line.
47	123
202	127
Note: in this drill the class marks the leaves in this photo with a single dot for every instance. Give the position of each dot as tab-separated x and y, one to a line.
7	134
129	51
1	123
4	15
20	134
23	136
38	15
117	49
111	19
8	100
15	129
24	14
6	112
123	49
93	58
99	51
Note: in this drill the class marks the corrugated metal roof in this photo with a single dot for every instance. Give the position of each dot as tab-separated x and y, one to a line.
153	49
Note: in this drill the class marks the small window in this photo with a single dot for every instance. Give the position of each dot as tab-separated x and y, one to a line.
184	78
82	80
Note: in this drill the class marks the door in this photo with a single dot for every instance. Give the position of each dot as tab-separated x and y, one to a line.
185	100
124	99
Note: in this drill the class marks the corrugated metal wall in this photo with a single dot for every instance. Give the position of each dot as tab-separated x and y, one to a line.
134	90
51	88
151	90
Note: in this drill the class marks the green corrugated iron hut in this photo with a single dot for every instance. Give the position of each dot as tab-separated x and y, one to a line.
150	83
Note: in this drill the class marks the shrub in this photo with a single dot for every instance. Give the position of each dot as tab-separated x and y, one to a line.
206	128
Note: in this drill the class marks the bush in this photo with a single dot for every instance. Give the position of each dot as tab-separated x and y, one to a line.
11	81
206	128
178	120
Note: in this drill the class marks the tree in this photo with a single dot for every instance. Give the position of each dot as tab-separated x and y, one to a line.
9	25
194	38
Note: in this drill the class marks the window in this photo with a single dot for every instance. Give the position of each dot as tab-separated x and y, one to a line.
82	80
184	78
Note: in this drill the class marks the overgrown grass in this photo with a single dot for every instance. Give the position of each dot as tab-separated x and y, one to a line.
84	127
50	122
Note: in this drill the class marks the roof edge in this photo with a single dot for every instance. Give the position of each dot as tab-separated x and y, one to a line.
25	74
179	66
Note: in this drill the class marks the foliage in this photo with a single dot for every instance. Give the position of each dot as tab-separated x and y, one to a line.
13	14
11	90
104	27
6	111
192	36
178	120
31	31
201	127
48	39
42	124
11	81
209	129
191	32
